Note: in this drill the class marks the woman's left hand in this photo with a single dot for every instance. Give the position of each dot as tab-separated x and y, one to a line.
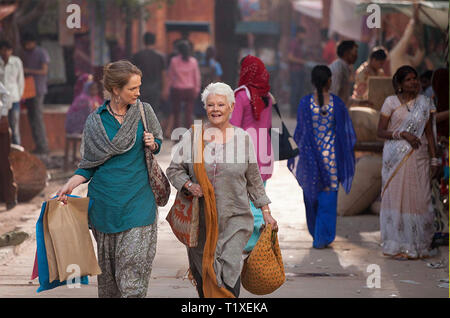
149	141
268	219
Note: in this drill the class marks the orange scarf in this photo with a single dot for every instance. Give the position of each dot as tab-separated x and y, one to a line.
210	286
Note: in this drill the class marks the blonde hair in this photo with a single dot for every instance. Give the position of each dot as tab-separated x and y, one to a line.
218	88
117	74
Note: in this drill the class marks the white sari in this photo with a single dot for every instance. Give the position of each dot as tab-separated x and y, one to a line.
406	218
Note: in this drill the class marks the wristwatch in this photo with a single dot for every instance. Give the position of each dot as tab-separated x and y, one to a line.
189	184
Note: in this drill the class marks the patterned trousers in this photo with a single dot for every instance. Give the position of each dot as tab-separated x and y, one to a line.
125	259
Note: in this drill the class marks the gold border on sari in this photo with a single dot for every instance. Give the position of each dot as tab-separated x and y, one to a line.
396	170
406	156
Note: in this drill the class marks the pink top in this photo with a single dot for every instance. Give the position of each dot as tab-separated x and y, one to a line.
259	130
184	75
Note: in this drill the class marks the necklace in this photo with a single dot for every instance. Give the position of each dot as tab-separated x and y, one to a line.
112	112
406	103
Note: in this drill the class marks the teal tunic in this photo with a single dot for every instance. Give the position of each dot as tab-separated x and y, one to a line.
119	188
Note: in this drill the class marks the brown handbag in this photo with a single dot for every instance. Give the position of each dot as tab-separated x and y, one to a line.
263	270
158	181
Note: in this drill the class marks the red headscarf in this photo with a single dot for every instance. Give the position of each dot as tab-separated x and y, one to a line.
255	77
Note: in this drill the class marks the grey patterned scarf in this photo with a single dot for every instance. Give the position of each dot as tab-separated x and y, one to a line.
96	148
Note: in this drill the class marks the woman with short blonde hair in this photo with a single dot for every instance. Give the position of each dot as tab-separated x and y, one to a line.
124	214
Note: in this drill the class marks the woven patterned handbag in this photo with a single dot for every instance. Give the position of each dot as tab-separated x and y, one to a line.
183	218
158	181
263	270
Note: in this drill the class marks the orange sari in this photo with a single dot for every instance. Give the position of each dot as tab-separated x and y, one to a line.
210	286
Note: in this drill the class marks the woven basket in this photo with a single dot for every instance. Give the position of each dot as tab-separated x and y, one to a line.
263	270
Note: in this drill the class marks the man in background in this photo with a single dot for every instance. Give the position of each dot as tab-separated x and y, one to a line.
342	70
372	67
425	83
12	77
153	66
8	189
408	50
297	74
35	62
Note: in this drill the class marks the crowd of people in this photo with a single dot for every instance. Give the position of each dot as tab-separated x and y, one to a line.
23	78
234	204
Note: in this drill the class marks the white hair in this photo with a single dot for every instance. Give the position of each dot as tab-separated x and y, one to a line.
218	88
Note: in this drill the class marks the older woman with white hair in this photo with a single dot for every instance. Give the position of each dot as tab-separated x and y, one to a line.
225	177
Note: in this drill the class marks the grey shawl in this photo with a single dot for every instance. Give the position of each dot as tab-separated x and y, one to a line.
96	148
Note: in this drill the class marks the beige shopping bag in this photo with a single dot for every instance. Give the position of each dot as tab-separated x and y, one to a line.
51	257
72	243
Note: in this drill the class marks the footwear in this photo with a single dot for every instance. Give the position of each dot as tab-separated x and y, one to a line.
320	247
400	258
11	205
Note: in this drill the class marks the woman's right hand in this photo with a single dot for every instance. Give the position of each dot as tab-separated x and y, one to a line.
268	219
70	185
63	192
411	139
195	189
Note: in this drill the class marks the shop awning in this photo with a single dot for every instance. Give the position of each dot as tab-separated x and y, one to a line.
346	15
308	7
432	13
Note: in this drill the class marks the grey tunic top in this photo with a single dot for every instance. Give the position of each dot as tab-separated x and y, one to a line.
236	179
341	80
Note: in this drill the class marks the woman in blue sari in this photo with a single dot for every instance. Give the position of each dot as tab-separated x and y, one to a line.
325	138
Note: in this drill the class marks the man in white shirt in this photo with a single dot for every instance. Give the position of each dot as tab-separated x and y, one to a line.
8	189
12	77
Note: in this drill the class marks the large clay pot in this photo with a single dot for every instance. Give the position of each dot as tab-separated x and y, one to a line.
30	174
365	187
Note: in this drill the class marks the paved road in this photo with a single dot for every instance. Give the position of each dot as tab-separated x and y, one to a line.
340	271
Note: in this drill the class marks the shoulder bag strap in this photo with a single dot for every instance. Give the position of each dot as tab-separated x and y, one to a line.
278	110
144	121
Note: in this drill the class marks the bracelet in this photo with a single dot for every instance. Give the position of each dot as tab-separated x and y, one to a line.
266	210
435	162
156	148
397	135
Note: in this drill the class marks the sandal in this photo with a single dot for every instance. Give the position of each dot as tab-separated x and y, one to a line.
401	257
